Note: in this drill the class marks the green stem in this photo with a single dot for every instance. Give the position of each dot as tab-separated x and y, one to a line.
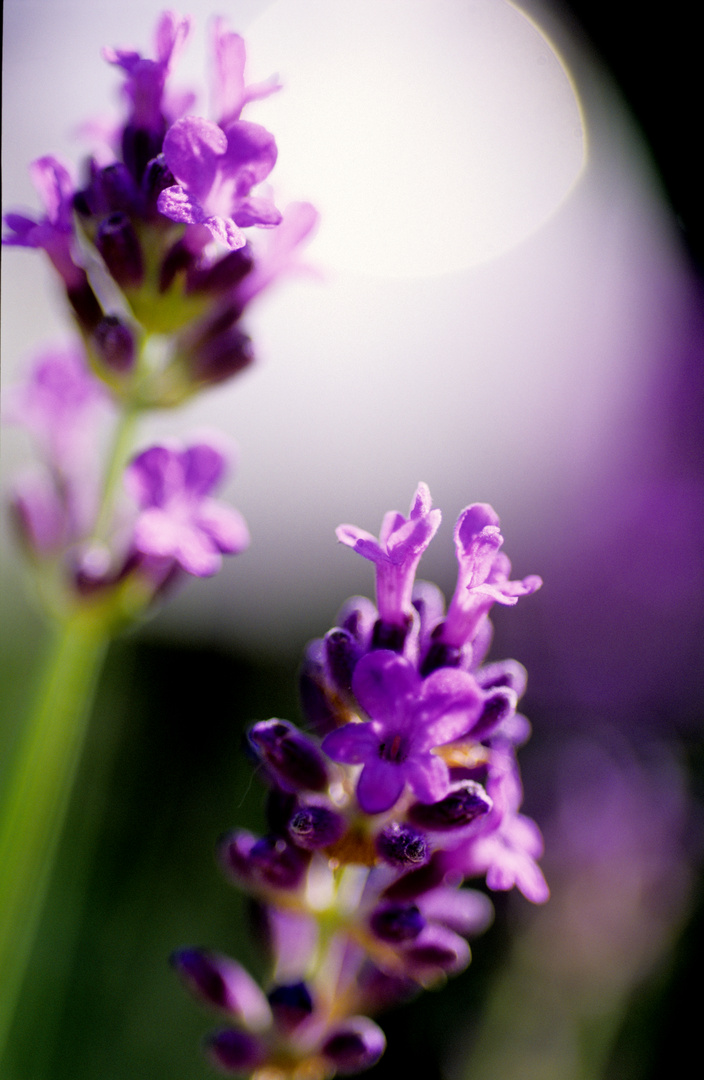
38	793
117	459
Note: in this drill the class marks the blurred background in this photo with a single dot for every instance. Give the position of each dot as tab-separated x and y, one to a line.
504	300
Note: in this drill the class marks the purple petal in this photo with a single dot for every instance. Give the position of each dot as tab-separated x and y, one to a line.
251	154
196	553
203	468
379	786
448	706
193	148
362	542
383	682
226	230
236	1051
176	204
225	525
429	777
355	1045
257	211
352	744
229	52
224	984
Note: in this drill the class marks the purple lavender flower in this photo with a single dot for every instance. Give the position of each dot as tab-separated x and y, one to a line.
230	92
396	553
61	403
53	232
178	519
410	718
216	171
225	985
145	90
358	884
483	575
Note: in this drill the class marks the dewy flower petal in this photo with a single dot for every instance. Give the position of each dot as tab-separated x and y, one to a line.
178	519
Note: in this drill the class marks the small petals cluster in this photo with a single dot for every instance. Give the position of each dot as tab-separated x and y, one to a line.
112	560
404	785
152	240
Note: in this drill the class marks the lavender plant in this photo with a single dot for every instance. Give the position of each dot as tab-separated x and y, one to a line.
151	251
405	785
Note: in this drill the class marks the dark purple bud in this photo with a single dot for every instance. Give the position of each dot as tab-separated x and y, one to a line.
387	635
499	706
178	259
235	1051
272	862
224	984
117	242
465	803
157	177
296	761
313	691
112	190
114	342
85	304
402	846
355	1046
417	882
313	827
438	948
224	274
139	146
397	922
342	653
221	356
439	655
358	616
291	1005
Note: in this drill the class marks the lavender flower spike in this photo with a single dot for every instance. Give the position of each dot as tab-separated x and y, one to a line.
178	519
396	553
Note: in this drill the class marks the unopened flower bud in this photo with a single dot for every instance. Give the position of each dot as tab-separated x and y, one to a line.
291	1005
295	760
114	343
313	827
117	242
465	803
355	1046
235	1051
402	846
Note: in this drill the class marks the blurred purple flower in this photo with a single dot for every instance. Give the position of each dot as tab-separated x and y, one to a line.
61	403
145	89
53	232
230	92
410	717
178	519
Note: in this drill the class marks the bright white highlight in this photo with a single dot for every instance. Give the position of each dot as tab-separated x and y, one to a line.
436	134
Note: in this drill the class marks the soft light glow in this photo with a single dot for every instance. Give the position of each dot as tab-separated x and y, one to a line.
436	134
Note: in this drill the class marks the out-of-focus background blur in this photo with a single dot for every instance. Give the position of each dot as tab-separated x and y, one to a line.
505	300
